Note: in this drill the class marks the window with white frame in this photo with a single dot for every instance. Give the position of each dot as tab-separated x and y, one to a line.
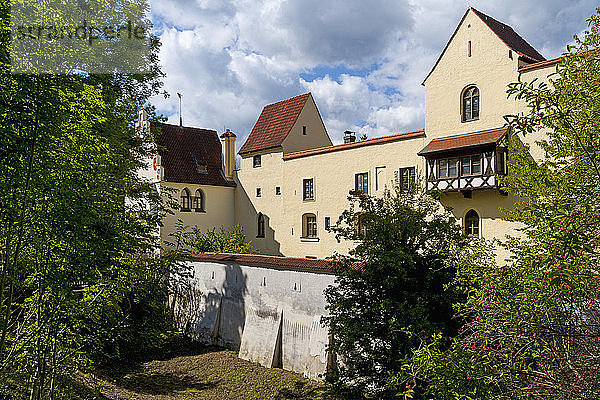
308	189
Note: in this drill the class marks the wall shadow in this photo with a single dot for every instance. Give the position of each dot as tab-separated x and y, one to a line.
249	222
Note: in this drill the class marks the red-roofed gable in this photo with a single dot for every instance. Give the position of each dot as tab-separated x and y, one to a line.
274	123
190	155
510	37
467	140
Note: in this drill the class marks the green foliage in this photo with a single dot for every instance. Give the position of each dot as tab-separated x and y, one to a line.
223	241
532	327
78	284
391	293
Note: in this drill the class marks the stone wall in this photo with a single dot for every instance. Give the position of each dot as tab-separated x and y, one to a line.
267	308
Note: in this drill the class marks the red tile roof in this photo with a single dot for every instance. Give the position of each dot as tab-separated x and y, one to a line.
183	150
274	124
540	64
286	263
510	37
490	136
361	143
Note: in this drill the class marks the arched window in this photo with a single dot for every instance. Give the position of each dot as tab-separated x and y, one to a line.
199	201
472	223
470	104
260	226
309	225
186	200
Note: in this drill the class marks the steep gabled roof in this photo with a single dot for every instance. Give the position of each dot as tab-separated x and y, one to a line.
510	37
190	155
274	124
504	32
463	141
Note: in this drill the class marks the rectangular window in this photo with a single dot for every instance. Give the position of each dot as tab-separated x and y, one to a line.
327	223
407	178
304	130
469	49
362	182
258	192
447	168
309	190
311	226
277	190
256	161
470	165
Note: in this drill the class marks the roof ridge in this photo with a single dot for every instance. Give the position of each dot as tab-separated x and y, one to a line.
289	99
534	54
274	124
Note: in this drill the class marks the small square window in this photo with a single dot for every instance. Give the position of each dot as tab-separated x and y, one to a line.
256	161
277	190
258	192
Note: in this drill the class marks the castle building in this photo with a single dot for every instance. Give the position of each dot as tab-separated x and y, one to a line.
292	182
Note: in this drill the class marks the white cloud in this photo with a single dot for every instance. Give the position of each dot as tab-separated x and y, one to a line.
231	57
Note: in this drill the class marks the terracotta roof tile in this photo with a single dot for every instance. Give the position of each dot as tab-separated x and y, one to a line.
184	150
274	124
361	143
287	263
510	37
540	64
490	136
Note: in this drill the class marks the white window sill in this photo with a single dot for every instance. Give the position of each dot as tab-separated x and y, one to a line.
309	239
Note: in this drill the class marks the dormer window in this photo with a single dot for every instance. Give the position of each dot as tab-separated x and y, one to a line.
470	104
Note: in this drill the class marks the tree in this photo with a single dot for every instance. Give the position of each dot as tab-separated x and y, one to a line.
532	327
390	292
73	258
223	241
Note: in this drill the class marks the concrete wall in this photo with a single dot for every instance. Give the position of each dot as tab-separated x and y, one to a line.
272	316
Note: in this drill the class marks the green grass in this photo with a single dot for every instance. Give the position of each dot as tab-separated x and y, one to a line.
186	371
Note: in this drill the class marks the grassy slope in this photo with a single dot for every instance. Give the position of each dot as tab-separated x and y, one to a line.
199	373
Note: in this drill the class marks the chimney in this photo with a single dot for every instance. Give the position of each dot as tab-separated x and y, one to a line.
349	137
228	147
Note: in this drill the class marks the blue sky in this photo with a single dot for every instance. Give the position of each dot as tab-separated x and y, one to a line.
364	61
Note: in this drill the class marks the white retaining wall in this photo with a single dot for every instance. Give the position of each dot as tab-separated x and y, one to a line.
271	315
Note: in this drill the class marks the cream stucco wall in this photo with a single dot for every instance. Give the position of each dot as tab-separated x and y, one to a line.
489	68
218	204
316	134
334	176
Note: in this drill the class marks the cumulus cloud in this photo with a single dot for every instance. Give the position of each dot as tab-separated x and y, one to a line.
231	57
